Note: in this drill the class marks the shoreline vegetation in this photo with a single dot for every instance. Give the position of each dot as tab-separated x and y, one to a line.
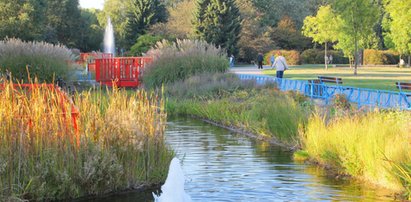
373	146
121	143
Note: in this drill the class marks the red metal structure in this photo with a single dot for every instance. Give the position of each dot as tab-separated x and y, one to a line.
121	71
62	99
90	58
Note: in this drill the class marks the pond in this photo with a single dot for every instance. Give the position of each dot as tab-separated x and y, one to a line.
223	166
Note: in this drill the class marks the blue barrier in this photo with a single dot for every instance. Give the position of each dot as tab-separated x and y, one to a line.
361	96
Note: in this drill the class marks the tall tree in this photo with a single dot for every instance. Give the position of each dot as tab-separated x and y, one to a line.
63	22
358	18
254	38
286	36
141	15
91	33
399	25
323	27
273	11
22	19
179	24
218	22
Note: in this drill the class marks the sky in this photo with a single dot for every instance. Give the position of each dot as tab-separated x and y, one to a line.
92	4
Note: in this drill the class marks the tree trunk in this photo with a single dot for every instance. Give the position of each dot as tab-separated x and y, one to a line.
356	55
409	61
325	56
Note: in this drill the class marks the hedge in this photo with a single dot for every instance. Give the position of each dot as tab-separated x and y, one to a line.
292	56
380	57
316	56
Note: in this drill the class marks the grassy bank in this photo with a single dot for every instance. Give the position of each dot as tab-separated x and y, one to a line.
374	147
382	78
261	110
119	144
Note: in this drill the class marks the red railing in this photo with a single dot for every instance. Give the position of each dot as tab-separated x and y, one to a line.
121	71
90	57
63	99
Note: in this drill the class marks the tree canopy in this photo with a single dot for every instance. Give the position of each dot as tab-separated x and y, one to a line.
358	19
323	27
218	22
399	25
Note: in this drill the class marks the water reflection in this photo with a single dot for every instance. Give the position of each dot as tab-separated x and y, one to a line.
222	166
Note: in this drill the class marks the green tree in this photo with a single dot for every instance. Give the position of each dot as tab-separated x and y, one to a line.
254	38
399	25
286	36
63	22
141	15
218	22
179	21
22	19
91	33
322	28
144	43
358	18
272	11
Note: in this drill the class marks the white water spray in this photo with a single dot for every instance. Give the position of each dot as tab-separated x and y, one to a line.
173	188
109	43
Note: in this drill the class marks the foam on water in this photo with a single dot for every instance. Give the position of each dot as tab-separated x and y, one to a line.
173	188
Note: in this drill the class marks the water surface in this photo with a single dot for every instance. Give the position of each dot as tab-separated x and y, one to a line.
223	166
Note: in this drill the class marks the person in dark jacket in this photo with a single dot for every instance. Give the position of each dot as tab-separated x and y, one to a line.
260	59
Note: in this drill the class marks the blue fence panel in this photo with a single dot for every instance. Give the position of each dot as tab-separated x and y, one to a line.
360	96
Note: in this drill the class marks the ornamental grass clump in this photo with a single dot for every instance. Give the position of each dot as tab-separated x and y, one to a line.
45	61
373	146
119	143
176	61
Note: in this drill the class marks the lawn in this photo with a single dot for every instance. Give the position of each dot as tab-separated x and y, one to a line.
383	78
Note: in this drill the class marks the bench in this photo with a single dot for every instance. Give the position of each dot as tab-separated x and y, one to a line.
405	86
328	92
329	79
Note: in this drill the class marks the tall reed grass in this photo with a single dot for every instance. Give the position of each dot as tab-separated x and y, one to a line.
121	143
174	61
375	146
45	61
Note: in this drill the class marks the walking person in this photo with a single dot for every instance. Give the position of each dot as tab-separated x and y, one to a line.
232	60
260	59
272	59
280	64
330	59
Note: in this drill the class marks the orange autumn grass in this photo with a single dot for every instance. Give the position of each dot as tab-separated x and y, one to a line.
119	143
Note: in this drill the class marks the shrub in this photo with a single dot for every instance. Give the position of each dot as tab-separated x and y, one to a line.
316	56
45	61
380	57
143	44
292	56
175	61
208	86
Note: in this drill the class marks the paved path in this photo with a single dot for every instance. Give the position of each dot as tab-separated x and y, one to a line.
248	70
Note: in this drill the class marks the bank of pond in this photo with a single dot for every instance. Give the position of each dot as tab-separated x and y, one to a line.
371	145
118	142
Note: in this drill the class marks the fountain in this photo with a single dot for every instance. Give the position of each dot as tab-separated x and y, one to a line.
173	188
109	42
